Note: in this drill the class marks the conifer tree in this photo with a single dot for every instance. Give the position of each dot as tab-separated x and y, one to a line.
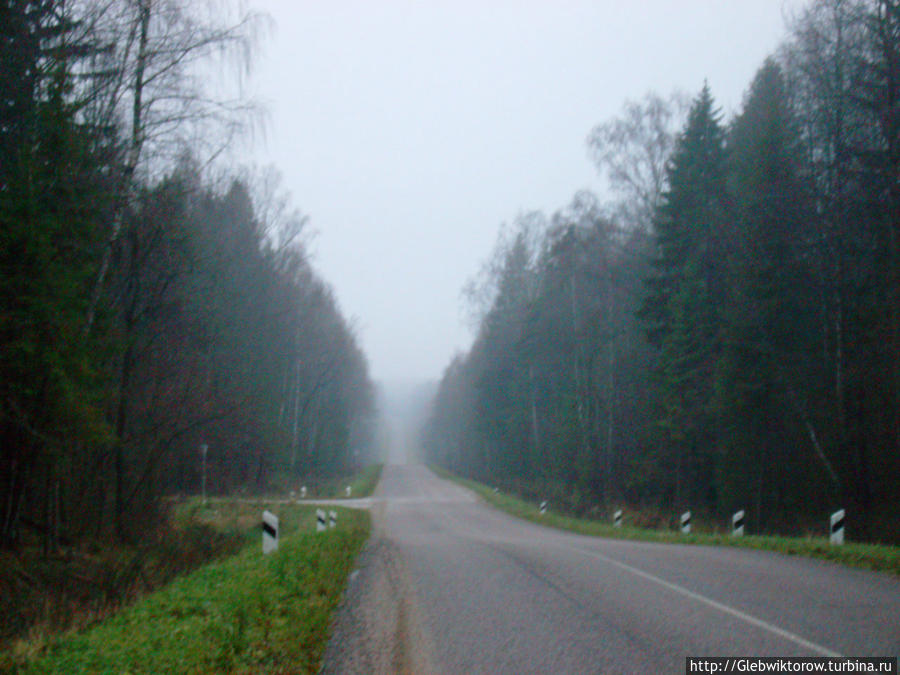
766	327
51	195
685	292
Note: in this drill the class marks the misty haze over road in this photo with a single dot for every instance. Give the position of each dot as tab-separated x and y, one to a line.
403	408
692	304
449	585
410	131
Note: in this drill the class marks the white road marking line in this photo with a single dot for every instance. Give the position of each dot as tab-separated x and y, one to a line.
738	614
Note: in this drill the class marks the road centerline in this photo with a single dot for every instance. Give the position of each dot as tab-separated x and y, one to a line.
715	604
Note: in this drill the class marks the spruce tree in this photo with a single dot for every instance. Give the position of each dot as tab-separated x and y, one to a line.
766	333
51	197
683	304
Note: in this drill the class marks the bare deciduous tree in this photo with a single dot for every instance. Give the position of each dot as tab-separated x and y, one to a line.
156	63
632	151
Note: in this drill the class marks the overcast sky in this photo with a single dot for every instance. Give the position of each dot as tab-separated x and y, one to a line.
410	131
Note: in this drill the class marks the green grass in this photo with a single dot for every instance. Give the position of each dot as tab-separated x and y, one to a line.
245	614
868	556
80	582
364	483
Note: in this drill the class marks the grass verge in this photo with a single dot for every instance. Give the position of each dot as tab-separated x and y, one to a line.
361	484
868	556
245	614
364	483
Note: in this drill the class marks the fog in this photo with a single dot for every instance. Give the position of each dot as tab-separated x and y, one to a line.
403	407
410	132
680	261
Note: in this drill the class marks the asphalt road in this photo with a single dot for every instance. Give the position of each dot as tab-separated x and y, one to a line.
449	585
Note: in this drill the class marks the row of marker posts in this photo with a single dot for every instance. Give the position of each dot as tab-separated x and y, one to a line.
836	523
321	523
270	523
347	491
270	528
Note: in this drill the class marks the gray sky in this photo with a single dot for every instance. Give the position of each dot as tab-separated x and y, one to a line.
410	131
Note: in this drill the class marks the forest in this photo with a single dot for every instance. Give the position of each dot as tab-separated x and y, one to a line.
724	333
158	307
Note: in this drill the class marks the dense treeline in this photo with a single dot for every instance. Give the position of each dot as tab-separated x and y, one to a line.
147	309
726	335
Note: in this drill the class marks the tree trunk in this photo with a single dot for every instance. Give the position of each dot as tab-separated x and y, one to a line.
10	515
124	191
610	424
121	420
583	445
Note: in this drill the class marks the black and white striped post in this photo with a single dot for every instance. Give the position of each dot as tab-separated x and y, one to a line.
737	524
303	492
270	532
543	508
837	527
686	522
617	518
332	518
320	520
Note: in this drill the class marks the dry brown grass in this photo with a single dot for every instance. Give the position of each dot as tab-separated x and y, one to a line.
82	584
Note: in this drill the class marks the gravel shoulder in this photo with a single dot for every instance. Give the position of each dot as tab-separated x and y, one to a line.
377	628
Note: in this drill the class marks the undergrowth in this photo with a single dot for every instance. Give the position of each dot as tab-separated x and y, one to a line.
248	613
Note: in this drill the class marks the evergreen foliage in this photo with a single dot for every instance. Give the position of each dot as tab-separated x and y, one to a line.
743	351
143	312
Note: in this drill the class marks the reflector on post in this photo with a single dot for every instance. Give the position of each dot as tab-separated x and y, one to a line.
270	532
837	527
737	524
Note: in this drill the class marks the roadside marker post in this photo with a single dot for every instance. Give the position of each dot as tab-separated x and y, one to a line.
737	524
837	527
617	518
303	492
270	532
543	508
332	518
349	490
686	522
320	520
